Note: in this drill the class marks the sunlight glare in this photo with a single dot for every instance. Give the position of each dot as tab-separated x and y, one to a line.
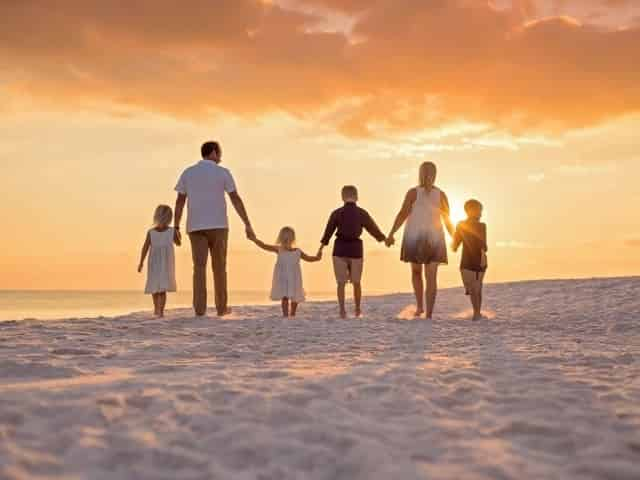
457	210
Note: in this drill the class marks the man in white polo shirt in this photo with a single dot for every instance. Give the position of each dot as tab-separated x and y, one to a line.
203	186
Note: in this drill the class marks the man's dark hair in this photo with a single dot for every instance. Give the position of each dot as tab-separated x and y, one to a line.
208	147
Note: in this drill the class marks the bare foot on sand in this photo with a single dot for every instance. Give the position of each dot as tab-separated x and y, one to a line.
226	312
358	313
419	313
343	314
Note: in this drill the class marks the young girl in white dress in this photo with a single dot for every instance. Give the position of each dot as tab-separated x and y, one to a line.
161	268
287	274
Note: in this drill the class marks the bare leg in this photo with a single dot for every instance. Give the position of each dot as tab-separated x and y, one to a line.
357	298
294	308
162	301
431	276
476	299
475	302
285	307
156	308
343	311
418	287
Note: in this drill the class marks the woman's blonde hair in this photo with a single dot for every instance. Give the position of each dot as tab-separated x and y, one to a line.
163	215
427	174
286	237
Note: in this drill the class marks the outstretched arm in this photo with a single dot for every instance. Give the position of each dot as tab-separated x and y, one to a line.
309	258
330	229
180	201
445	214
457	240
404	212
265	246
238	204
145	251
370	226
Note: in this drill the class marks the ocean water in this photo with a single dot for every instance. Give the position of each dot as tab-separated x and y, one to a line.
50	304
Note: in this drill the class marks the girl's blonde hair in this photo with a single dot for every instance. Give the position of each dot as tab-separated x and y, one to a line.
286	237
427	174
163	215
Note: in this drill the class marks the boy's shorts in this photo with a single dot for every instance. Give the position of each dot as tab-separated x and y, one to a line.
347	269
469	277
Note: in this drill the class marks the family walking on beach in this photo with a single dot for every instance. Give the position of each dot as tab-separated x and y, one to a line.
202	187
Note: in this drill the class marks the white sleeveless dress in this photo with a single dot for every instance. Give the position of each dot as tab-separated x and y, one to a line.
161	267
287	277
423	240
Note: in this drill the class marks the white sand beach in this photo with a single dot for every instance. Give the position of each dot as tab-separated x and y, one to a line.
547	388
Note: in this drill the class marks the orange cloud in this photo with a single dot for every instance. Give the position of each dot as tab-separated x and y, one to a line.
406	64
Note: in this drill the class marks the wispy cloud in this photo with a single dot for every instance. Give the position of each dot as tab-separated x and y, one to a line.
581	170
514	244
632	242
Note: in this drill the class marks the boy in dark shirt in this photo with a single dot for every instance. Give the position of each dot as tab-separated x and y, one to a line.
348	223
472	234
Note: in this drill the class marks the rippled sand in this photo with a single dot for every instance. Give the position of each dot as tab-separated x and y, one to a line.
548	388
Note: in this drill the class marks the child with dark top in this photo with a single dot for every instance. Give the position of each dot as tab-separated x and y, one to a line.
472	235
348	222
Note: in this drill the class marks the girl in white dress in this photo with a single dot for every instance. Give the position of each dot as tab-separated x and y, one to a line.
161	268
287	274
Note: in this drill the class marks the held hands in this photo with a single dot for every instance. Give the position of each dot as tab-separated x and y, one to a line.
319	254
390	241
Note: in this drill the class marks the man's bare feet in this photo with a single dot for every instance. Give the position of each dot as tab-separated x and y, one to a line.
343	314
225	313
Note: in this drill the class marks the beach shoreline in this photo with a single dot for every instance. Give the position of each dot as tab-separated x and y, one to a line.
257	299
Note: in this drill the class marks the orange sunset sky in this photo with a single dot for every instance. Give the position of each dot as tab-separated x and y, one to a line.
531	106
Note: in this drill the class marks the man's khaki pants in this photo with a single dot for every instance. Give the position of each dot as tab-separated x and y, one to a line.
204	242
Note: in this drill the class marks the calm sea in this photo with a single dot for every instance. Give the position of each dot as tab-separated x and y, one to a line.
49	304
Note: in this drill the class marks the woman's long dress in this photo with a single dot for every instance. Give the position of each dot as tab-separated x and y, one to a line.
423	240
